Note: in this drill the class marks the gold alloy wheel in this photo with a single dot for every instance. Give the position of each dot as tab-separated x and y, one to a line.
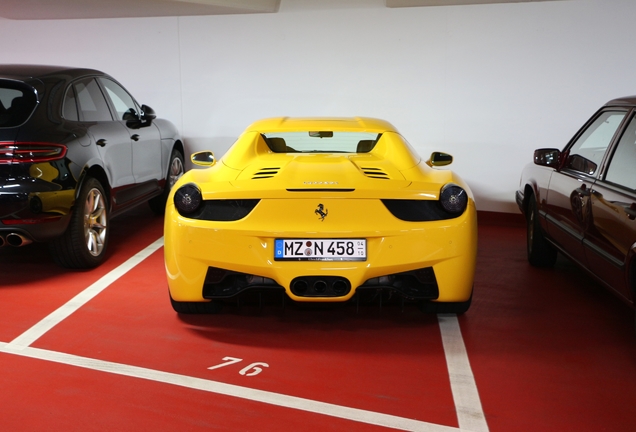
95	222
176	171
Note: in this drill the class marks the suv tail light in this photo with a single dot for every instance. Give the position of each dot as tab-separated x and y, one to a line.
30	152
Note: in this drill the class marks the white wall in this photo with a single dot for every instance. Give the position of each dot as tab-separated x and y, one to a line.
487	83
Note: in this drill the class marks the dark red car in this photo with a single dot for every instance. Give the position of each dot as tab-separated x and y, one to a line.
581	201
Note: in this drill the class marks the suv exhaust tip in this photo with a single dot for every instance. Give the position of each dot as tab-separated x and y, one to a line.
16	240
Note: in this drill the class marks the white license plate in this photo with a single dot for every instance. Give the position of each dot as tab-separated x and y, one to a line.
320	249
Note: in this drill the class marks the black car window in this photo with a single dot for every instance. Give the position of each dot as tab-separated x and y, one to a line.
120	98
69	109
91	102
17	102
622	168
587	152
321	141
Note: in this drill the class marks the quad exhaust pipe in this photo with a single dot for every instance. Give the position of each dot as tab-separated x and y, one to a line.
320	286
15	240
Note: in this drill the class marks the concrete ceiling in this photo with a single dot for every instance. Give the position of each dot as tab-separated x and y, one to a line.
83	9
411	3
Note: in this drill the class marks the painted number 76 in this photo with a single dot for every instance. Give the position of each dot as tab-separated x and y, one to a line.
249	370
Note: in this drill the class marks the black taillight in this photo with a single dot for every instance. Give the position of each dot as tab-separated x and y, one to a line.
452	202
188	199
453	198
416	210
226	210
30	152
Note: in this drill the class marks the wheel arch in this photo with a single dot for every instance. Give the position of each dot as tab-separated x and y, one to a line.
178	145
528	191
97	172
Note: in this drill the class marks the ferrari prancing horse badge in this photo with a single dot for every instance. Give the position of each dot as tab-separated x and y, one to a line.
322	212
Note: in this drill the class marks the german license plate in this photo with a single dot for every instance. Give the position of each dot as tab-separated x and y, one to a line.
320	250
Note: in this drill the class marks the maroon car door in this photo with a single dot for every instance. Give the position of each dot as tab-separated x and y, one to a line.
610	240
567	200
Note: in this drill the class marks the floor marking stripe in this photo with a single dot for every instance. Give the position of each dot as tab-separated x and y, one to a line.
470	414
270	398
64	311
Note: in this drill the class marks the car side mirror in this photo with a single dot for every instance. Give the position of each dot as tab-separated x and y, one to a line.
147	115
130	115
143	119
203	158
439	159
547	157
132	119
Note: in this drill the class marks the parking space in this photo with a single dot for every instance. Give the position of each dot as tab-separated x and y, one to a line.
103	350
308	354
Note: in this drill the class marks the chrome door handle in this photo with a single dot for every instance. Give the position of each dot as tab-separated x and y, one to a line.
582	191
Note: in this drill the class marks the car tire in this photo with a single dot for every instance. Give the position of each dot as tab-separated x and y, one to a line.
457	308
176	169
83	244
540	252
209	307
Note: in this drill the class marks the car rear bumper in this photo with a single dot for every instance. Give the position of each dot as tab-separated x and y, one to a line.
448	247
37	215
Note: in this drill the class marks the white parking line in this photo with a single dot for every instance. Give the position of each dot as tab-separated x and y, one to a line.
270	398
59	315
465	395
467	403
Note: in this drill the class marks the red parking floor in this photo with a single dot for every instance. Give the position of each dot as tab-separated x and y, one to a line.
31	286
39	396
322	355
549	350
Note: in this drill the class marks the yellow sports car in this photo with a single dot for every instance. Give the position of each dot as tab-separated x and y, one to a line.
322	210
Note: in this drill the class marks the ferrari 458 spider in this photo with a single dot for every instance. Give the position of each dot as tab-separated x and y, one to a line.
323	210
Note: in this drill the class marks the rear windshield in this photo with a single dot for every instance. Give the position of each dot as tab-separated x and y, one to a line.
17	102
321	142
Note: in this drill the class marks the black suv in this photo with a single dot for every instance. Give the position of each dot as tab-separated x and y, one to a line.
76	149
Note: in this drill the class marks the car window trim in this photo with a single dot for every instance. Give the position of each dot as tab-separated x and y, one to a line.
106	99
69	88
631	116
600	172
109	102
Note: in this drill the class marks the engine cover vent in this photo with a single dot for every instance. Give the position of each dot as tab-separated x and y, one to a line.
264	173
376	173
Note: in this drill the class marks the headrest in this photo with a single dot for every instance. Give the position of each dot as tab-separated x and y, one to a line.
277	145
365	146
